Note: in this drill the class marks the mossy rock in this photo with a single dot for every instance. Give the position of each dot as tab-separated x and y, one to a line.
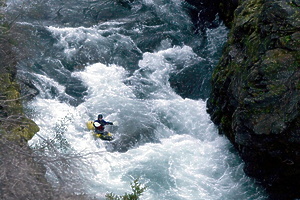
23	129
10	95
14	124
255	94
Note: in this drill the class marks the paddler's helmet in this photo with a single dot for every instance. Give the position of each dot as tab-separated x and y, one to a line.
100	116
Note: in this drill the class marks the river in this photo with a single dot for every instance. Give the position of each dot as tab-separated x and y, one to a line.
144	67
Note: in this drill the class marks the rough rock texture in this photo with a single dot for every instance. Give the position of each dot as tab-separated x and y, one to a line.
255	98
203	12
12	120
226	10
21	175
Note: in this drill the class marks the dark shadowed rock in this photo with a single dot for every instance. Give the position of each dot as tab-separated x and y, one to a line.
203	13
255	99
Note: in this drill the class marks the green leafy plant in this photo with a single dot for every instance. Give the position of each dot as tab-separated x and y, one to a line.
137	190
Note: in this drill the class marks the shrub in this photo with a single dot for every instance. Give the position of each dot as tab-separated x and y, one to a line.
137	191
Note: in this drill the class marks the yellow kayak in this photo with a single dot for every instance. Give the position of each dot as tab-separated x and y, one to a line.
105	136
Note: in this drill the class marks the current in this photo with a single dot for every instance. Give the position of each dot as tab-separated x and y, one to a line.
143	65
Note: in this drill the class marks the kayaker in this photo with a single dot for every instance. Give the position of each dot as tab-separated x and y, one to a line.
99	125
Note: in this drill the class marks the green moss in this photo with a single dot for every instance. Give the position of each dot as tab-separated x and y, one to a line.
246	14
25	129
224	120
252	43
278	64
286	39
260	110
277	89
291	42
251	6
15	125
298	85
293	4
9	91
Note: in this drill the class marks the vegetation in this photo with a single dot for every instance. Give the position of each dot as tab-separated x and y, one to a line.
137	191
21	177
255	96
22	169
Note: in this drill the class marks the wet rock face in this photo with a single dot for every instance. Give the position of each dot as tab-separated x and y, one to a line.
226	9
255	97
204	12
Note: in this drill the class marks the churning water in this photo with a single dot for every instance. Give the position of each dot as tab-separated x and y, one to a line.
141	64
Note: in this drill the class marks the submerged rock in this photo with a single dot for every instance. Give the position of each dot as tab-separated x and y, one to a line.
255	98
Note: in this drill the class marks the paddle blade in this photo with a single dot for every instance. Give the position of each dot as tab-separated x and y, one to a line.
116	123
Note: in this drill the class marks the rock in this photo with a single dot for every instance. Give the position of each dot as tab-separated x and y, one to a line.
226	10
203	13
255	98
22	173
27	88
21	176
13	121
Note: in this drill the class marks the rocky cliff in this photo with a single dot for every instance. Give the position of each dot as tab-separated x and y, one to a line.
20	176
255	98
22	173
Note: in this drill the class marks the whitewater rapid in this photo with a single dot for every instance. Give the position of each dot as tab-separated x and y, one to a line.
142	65
174	148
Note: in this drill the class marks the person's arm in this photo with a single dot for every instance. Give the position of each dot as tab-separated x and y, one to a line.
103	122
109	123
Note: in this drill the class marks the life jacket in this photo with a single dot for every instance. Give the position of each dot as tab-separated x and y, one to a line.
101	127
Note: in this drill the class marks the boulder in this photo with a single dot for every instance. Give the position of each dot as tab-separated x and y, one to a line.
255	98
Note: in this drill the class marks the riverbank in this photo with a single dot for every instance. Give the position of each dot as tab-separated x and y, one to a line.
256	95
21	176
